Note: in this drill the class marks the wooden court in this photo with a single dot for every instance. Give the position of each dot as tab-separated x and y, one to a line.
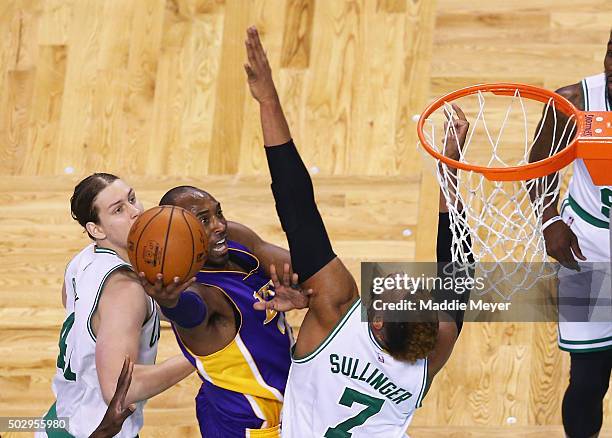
155	92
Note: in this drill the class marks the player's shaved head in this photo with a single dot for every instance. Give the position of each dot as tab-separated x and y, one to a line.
177	194
208	211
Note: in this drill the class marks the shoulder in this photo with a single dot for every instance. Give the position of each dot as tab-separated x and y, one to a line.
85	255
122	288
123	304
573	93
123	277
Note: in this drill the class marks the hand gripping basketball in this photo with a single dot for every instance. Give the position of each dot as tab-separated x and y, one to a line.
167	246
167	296
167	240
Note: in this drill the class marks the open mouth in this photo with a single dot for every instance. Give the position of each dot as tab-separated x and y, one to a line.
220	247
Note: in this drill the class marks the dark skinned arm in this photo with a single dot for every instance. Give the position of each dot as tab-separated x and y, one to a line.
561	242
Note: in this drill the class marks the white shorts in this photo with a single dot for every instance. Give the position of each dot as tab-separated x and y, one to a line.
586	295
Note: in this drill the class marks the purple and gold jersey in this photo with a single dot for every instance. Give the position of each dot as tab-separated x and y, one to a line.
244	382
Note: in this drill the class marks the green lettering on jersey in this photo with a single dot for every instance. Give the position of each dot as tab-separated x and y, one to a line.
606	200
61	358
335	366
389	387
379	380
405	396
350	396
155	333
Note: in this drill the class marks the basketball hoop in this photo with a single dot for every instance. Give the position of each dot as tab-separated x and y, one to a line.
494	194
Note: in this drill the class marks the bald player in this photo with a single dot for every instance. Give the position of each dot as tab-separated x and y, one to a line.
242	355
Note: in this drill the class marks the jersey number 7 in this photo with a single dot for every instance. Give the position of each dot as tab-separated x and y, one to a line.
350	396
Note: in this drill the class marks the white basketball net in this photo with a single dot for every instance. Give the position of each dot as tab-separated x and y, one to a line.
501	218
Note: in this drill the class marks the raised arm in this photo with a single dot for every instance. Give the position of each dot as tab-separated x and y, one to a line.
451	322
560	240
312	255
118	321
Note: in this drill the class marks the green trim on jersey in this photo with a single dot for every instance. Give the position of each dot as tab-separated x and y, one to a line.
100	250
424	386
330	336
97	300
153	311
55	432
585	93
373	338
583	214
564	205
585	350
589	341
583	342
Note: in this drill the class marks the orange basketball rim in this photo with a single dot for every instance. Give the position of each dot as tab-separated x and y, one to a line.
592	143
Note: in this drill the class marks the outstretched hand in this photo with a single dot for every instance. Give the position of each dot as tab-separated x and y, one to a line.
166	296
117	411
456	133
287	293
259	74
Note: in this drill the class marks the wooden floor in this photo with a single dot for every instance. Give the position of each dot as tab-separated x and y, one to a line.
154	91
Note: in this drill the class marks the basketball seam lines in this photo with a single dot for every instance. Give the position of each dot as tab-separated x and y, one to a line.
166	241
141	233
193	254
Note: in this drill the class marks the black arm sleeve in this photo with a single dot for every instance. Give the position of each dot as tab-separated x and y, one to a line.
444	239
293	193
444	256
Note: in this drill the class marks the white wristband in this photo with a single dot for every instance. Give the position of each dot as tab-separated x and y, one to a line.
551	221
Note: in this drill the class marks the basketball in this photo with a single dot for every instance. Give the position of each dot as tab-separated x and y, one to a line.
167	240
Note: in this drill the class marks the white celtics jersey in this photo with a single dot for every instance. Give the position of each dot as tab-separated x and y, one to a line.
586	211
592	203
75	384
349	386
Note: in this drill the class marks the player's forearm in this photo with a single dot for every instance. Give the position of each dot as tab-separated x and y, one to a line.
551	211
273	123
150	380
293	192
453	199
442	208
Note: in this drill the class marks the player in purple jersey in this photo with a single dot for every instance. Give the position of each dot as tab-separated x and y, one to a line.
242	355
